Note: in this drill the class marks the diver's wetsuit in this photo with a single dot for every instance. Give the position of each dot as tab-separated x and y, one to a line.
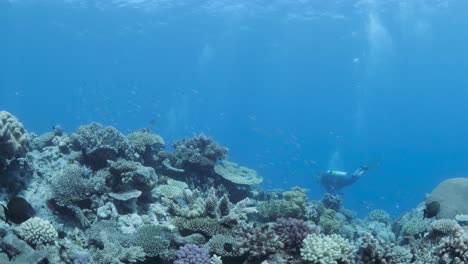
333	181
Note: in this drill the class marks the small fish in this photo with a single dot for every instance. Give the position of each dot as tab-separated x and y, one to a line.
432	209
153	122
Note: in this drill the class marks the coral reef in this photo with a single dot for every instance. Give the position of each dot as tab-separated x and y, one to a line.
98	196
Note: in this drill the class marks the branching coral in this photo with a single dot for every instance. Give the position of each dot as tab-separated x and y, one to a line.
329	223
144	142
453	249
446	226
292	204
75	184
208	226
100	144
380	216
192	254
223	245
114	253
293	231
153	239
257	242
129	175
375	251
332	249
331	201
198	152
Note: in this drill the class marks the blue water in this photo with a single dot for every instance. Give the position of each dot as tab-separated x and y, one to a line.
285	85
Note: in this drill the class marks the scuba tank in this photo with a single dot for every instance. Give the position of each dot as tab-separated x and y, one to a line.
337	173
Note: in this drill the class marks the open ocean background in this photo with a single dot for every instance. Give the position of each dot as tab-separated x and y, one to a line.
289	86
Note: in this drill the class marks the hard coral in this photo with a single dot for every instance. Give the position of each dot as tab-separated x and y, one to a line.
258	242
331	201
14	141
380	216
292	232
75	184
453	248
145	142
292	204
100	144
376	251
237	174
153	239
199	152
331	249
192	254
37	231
223	245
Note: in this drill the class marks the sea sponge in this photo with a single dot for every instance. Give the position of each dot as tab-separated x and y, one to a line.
14	141
38	231
332	249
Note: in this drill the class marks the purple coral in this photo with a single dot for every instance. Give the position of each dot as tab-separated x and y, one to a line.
192	254
293	231
258	242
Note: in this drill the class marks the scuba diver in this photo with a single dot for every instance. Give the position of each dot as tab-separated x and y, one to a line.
334	180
